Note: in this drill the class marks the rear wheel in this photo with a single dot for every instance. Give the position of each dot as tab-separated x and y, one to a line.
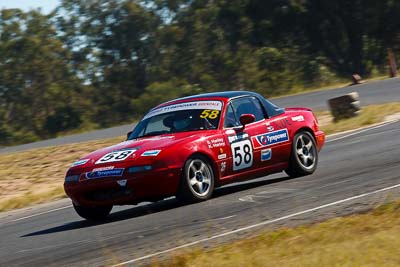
304	155
93	213
197	183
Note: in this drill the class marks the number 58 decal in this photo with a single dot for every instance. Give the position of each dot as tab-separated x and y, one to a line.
116	156
210	114
242	153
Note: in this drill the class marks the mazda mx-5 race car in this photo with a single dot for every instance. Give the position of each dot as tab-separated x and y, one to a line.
189	146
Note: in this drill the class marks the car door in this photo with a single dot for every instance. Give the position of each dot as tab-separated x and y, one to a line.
274	144
242	153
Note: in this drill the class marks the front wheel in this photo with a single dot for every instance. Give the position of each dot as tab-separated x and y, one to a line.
95	213
304	155
197	182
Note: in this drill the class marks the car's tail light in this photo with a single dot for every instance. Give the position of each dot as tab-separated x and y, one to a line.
316	123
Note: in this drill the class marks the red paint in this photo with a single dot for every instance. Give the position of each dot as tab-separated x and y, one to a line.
175	148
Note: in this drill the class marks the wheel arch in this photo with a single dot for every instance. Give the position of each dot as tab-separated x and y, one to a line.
304	129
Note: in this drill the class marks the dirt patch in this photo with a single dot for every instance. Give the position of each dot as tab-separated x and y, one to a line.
393	117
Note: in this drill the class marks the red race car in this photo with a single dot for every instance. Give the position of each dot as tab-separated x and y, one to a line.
189	146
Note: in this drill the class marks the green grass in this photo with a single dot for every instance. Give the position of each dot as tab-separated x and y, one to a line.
370	239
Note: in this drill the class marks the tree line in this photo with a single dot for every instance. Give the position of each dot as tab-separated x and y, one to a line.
97	63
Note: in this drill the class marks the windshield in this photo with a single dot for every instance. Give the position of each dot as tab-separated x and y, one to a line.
183	117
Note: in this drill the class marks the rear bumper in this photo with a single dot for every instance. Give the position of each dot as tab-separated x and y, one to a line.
148	186
319	139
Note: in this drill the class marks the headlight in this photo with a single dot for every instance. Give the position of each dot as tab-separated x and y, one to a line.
143	168
71	178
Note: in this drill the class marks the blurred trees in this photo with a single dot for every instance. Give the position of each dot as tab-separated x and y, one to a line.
352	35
97	63
113	43
36	84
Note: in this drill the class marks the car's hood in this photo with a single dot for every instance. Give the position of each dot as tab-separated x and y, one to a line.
142	145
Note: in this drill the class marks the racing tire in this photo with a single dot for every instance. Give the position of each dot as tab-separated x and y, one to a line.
197	183
95	213
304	155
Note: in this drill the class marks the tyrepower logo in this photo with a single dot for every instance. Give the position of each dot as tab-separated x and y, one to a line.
271	138
104	173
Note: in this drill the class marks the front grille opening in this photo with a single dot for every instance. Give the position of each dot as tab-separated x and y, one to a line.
109	194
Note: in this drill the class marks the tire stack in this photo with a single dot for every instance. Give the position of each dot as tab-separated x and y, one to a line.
345	106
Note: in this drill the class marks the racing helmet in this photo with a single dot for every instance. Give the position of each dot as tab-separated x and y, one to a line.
182	121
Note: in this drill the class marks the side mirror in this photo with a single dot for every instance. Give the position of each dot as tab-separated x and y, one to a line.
128	134
247	118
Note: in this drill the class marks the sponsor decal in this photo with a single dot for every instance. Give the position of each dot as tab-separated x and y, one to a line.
80	162
118	155
222	156
103	168
298	118
266	154
211	105
219	142
223	166
242	151
105	173
230	131
122	182
151	153
209	114
270	128
238	137
271	138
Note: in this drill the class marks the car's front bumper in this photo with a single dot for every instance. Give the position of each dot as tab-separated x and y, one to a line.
127	189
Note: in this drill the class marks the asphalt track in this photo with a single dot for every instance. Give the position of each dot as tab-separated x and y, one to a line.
356	171
376	92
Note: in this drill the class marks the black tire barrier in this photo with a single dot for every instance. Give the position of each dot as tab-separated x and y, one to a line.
345	106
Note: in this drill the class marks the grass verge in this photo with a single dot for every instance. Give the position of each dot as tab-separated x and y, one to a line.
36	176
368	115
369	239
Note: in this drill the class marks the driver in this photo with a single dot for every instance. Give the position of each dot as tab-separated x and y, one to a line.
182	121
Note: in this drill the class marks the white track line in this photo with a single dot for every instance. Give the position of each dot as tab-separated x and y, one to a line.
37	214
256	225
363	130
